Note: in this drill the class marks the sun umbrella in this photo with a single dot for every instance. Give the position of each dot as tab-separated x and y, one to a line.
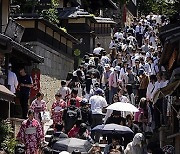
119	106
113	128
71	144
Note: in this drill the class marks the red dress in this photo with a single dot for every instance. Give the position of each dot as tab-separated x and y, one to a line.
31	135
57	111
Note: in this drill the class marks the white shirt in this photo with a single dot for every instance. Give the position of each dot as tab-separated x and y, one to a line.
122	73
123	99
64	91
118	35
139	29
97	104
151	89
105	60
97	50
146	68
160	84
112	44
12	81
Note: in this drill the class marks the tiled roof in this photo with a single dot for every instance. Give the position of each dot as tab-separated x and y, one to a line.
73	12
104	20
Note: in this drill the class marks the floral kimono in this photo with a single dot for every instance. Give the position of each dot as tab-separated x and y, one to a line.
57	110
31	135
37	107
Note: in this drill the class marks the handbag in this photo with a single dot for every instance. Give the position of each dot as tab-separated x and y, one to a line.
45	116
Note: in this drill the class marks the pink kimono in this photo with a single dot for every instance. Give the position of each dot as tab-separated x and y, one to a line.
57	110
31	134
37	107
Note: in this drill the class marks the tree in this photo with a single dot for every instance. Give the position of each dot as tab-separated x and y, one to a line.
163	7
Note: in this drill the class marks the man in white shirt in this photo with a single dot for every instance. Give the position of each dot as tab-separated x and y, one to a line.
145	66
105	59
98	49
12	80
151	89
64	91
139	33
98	103
118	34
112	43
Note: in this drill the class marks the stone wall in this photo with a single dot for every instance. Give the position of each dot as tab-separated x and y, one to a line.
104	40
54	69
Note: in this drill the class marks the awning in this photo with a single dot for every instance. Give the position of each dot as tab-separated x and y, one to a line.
33	56
6	94
5	44
168	90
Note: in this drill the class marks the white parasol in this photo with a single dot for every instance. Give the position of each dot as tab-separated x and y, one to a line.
120	106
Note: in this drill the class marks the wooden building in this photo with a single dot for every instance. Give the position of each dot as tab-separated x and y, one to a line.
170	59
86	28
11	49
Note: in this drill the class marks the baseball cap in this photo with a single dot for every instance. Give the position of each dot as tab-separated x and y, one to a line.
129	68
117	68
84	101
99	91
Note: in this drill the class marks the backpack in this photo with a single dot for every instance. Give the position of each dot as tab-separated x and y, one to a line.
72	113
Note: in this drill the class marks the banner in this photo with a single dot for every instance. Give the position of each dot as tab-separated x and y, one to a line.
35	74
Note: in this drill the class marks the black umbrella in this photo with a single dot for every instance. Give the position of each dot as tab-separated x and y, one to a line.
71	144
113	128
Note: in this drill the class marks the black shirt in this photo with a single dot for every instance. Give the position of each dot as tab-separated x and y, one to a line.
25	80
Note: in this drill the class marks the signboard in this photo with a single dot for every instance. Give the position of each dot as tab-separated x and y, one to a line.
14	30
35	74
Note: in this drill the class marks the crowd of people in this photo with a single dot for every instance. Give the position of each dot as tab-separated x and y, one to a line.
130	72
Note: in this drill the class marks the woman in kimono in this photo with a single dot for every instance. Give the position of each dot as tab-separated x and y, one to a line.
31	134
57	109
38	106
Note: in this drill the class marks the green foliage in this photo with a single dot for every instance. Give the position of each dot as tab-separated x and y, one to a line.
51	15
5	129
55	3
9	145
7	141
158	7
26	6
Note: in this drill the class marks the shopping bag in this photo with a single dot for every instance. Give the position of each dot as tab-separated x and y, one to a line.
45	116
